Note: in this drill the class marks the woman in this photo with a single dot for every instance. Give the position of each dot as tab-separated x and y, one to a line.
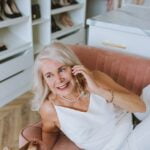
88	107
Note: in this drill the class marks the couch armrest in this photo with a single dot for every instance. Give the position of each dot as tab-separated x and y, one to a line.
30	133
34	132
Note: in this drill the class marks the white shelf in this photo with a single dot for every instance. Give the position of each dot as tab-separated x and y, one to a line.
15	45
66	8
66	30
16	34
10	22
39	21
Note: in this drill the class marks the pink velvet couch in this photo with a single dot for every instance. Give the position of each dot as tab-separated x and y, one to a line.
132	72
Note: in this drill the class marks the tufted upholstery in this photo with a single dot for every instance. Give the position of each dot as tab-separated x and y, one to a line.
132	72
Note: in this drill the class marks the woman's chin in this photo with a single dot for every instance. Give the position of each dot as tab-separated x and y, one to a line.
64	93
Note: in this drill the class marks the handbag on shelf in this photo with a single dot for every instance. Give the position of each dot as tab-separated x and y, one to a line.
36	14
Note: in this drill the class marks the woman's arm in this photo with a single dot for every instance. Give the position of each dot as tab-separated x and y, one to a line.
101	84
50	132
119	95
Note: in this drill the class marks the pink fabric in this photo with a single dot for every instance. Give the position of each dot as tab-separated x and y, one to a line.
29	133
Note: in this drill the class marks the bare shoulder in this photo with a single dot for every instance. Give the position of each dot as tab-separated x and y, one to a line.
46	108
48	116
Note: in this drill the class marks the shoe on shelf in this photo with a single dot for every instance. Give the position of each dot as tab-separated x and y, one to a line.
10	9
55	4
14	8
1	19
64	2
2	47
72	2
7	10
65	20
55	27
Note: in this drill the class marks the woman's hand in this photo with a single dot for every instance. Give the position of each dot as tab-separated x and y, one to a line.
88	75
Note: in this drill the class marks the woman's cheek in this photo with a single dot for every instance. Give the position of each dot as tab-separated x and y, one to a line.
48	83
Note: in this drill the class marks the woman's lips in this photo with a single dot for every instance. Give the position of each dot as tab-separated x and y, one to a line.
64	86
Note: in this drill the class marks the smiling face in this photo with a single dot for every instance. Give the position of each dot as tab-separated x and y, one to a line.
58	77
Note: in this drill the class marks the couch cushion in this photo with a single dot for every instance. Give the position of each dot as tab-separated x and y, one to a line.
86	55
132	72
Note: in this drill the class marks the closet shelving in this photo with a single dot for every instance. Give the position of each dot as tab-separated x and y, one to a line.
39	21
9	22
65	31
16	61
10	35
66	9
42	33
71	34
41	26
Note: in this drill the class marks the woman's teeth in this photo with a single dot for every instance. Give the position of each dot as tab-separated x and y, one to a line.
63	86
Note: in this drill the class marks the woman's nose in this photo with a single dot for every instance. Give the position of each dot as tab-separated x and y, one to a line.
59	78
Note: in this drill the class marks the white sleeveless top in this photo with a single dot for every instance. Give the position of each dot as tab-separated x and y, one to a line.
102	127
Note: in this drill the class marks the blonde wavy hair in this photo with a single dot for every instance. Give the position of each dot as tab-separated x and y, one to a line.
55	51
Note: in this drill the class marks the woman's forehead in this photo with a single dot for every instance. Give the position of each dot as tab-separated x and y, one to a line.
48	64
51	62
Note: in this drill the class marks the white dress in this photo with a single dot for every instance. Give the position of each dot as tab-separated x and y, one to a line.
103	127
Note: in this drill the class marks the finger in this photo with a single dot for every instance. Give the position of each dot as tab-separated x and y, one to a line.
79	67
78	70
81	71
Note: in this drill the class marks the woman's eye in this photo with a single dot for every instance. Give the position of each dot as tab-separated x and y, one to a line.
62	69
49	76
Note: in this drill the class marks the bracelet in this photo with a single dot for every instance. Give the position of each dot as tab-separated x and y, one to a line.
112	97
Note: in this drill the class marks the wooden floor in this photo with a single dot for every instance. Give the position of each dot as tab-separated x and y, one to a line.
13	117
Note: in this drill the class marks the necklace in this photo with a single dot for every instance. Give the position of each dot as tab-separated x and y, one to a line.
73	100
